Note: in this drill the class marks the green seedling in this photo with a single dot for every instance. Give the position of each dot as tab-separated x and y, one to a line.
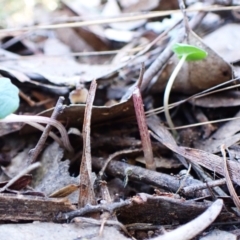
184	52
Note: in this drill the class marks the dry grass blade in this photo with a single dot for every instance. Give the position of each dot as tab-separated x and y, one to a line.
86	192
119	19
204	93
228	179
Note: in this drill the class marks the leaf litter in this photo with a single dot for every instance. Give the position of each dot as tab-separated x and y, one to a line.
90	58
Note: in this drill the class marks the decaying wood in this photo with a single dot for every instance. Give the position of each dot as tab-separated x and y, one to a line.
196	187
160	210
112	156
29	208
139	174
196	226
110	207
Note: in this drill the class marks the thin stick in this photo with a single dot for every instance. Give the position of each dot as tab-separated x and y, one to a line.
33	153
142	126
184	179
51	134
86	192
112	156
117	19
229	183
196	187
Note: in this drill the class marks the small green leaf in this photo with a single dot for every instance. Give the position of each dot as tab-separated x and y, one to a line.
9	99
192	53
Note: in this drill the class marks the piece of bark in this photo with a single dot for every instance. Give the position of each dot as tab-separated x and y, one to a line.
160	210
196	226
19	207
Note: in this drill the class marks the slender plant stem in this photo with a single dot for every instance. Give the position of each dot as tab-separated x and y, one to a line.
168	90
143	130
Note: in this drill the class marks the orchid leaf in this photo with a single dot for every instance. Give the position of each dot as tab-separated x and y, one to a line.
191	53
9	99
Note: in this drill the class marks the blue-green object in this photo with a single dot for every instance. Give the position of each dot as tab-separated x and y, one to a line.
191	53
9	98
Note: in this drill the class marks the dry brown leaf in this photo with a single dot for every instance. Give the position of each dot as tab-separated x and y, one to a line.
53	174
229	46
101	114
226	134
205	159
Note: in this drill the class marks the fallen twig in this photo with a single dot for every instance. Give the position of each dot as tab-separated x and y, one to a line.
86	192
33	153
193	188
112	156
109	207
142	125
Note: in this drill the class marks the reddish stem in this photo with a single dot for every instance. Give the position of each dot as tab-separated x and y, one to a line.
142	126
